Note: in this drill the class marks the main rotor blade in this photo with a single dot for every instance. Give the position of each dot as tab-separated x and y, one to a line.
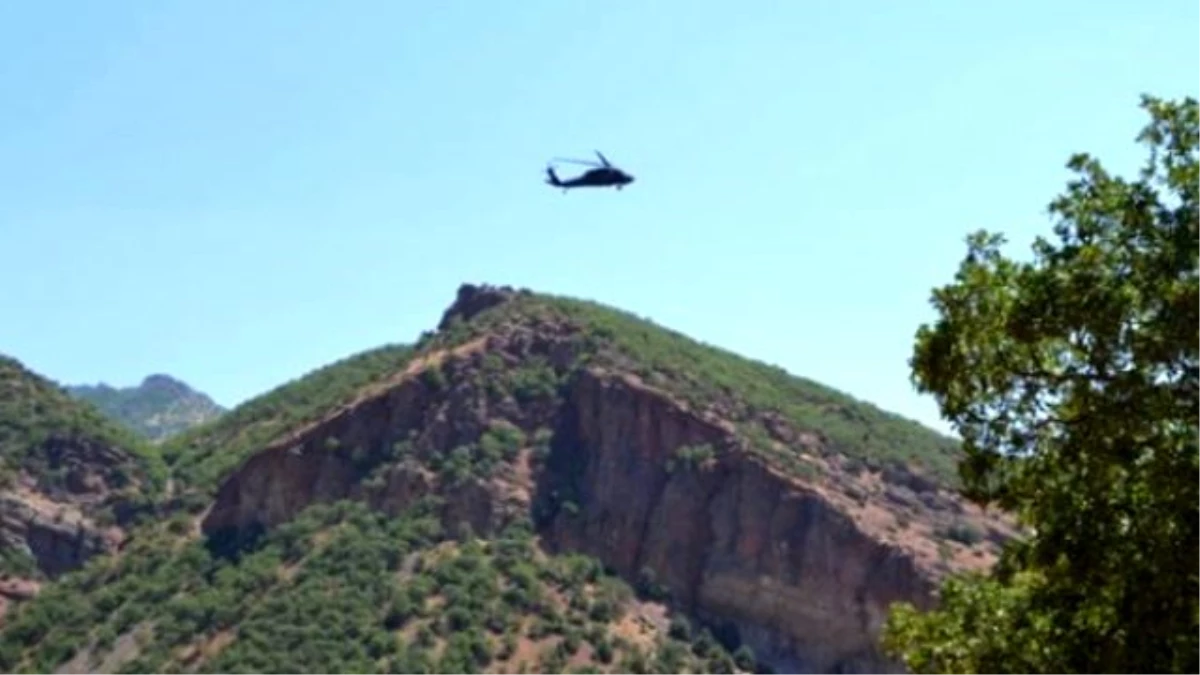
603	159
576	161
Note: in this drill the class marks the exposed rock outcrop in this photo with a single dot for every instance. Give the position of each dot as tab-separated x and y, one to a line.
471	300
87	471
328	461
57	536
47	512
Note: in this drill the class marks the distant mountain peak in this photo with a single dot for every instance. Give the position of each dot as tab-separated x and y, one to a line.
160	407
166	383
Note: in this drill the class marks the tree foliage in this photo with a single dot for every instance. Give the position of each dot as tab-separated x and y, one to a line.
1072	379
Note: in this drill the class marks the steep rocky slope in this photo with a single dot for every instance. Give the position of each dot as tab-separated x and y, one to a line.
778	514
69	479
158	408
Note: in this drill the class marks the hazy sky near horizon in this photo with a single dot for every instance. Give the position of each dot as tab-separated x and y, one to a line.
236	193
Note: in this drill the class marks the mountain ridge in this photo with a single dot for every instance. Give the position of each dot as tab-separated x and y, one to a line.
778	515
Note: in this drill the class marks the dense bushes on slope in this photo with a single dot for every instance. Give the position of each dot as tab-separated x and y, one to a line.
341	589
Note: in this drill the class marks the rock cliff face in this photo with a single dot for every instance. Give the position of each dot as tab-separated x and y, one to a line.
51	519
57	536
77	469
801	569
329	460
751	550
54	529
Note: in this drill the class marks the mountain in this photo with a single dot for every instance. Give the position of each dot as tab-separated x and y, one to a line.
158	408
70	479
541	483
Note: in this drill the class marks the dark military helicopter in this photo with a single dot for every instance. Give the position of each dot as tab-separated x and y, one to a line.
603	175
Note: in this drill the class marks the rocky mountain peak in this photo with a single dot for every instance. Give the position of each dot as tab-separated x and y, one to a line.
160	382
472	300
159	407
738	513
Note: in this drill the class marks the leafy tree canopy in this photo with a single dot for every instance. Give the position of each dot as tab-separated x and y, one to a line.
1073	381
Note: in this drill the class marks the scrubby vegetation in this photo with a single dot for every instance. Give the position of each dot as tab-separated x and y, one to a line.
342	589
35	411
499	444
18	563
703	374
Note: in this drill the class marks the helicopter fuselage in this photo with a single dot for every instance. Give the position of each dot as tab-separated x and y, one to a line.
598	177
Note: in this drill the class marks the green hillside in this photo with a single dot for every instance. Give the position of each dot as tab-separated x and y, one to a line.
344	590
341	589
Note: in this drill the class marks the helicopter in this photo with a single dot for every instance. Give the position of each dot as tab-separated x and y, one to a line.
603	175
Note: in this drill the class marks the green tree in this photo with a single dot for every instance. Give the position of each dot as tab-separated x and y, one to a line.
1073	381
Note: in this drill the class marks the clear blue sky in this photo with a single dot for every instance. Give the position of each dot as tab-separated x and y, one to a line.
238	192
